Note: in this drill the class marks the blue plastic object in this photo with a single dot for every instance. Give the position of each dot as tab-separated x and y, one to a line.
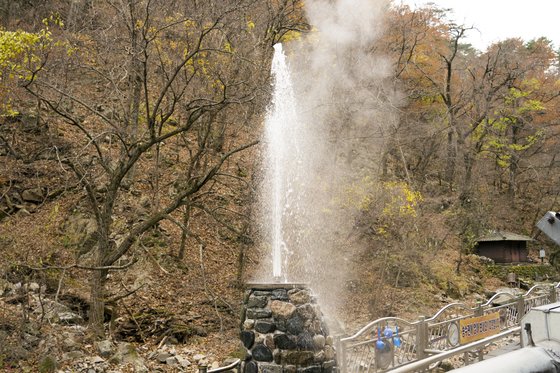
380	345
387	333
397	340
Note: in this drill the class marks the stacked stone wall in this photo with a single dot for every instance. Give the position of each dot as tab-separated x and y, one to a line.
283	331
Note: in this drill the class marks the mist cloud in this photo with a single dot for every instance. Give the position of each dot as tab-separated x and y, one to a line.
344	106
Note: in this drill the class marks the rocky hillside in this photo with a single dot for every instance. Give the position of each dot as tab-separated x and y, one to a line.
130	165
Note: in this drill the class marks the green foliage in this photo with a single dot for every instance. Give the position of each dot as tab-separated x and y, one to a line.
290	36
404	200
239	353
516	112
47	364
359	194
445	277
21	56
20	52
526	271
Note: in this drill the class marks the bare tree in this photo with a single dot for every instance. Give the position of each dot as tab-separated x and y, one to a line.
148	74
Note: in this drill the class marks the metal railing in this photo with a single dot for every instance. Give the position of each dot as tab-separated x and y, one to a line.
420	364
203	368
391	342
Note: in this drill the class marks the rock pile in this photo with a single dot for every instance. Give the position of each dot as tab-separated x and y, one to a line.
25	201
283	331
55	337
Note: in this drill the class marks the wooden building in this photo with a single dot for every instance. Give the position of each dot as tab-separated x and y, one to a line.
504	247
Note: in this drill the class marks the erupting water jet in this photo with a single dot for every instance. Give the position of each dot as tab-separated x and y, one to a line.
280	122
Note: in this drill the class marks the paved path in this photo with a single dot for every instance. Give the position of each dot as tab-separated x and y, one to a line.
511	344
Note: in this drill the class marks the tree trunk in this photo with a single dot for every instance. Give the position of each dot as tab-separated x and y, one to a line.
99	278
241	264
468	158
135	84
451	158
97	307
513	165
185	233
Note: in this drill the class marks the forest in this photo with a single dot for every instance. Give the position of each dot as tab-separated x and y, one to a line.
131	164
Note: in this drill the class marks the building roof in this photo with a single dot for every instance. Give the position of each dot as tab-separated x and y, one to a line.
503	236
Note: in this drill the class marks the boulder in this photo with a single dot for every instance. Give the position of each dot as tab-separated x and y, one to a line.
35	195
299	358
306	312
5	286
269	341
258	313
257	302
248	324
299	296
305	341
319	341
199	357
247	337
329	353
270	368
265	326
182	361
72	355
282	309
127	354
319	357
96	360
69	318
295	325
163	356
284	342
262	353
279	294
251	367
55	312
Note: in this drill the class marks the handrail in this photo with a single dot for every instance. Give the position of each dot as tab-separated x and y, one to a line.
417	365
489	301
204	369
378	321
417	339
443	309
534	287
450	305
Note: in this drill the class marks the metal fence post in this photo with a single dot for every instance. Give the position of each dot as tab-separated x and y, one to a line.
421	338
553	298
520	309
340	354
520	314
479	311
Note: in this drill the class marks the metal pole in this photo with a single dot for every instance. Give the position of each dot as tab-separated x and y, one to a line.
233	365
478	312
340	354
520	309
421	337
